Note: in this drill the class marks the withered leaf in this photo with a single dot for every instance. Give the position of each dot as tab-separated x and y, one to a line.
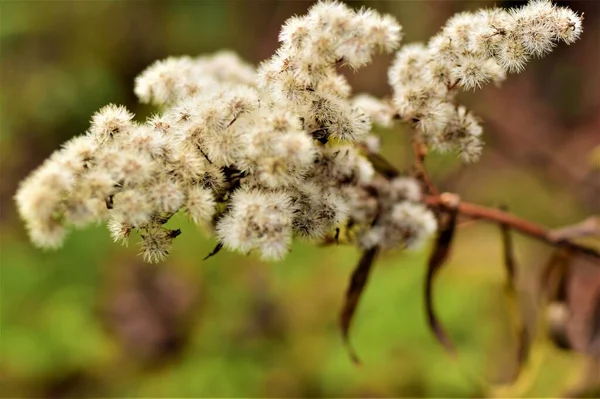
215	251
555	275
571	283
438	257
594	334
508	255
554	282
358	281
523	338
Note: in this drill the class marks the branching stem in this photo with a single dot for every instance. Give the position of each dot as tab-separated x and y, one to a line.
516	223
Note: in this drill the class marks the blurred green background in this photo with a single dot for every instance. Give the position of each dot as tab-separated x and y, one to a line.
90	320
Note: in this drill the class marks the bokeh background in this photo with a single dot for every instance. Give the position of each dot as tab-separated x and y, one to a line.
91	320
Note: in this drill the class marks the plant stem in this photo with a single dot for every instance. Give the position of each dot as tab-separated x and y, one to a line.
516	223
421	173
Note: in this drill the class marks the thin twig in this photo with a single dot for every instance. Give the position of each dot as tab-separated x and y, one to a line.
516	223
420	152
474	211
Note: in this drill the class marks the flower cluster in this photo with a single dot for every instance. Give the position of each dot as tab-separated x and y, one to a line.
302	74
262	155
390	214
472	49
245	153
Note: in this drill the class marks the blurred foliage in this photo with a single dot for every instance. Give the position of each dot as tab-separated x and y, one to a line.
90	321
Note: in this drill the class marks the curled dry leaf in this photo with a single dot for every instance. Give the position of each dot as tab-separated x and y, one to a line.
554	276
215	251
523	337
508	255
571	287
358	282
438	257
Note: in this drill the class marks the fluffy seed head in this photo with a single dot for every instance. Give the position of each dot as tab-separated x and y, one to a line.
200	204
258	221
156	243
262	155
110	121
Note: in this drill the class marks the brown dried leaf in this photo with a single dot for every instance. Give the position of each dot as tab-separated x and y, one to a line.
576	292
555	275
594	334
439	255
523	338
508	256
215	251
358	281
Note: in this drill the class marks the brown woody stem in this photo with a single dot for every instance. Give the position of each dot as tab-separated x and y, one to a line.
420	151
523	226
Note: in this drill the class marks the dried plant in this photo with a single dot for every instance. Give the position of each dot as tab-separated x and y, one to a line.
260	156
